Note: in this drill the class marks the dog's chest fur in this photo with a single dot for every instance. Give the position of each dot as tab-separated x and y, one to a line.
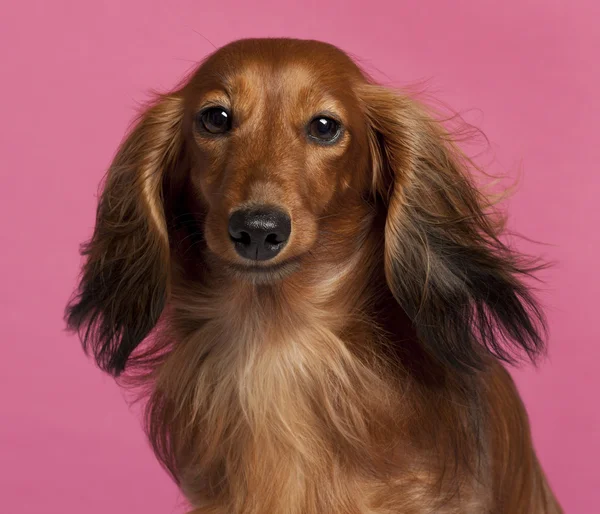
291	411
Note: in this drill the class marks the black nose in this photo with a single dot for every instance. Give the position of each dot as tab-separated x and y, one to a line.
259	234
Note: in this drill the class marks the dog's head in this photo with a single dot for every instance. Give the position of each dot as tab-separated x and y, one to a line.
275	133
270	147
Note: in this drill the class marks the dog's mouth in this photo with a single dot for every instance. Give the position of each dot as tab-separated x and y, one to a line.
264	273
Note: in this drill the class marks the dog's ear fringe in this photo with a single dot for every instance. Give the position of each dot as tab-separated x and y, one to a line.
125	279
465	289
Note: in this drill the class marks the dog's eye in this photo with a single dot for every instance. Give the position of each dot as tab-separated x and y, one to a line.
216	120
324	129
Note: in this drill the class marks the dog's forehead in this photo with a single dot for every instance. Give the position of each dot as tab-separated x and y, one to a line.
284	64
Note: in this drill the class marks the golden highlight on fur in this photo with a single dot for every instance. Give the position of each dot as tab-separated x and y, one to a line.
358	370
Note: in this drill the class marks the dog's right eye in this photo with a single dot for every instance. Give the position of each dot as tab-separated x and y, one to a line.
324	129
215	120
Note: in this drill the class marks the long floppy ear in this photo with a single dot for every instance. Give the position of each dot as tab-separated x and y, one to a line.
444	260
125	278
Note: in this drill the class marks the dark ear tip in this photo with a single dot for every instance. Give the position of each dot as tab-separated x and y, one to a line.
113	365
114	369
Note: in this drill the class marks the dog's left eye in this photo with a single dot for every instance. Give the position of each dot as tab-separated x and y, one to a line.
324	129
216	120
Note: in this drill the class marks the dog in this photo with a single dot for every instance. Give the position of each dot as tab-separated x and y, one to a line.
296	270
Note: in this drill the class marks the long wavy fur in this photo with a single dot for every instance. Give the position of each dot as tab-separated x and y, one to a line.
366	382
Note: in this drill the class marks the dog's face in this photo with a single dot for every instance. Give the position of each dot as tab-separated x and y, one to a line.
274	132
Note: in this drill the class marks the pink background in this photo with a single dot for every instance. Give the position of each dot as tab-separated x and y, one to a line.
72	74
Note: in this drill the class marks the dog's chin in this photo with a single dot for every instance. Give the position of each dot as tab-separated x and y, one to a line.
263	274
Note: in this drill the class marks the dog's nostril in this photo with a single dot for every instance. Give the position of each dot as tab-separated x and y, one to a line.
259	234
243	238
273	239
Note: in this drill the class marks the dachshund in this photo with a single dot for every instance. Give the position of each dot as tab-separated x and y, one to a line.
296	270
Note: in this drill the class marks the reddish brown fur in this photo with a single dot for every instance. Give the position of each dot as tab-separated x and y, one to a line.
358	371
